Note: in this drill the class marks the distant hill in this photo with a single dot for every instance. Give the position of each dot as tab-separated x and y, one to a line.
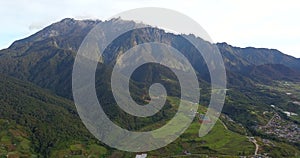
258	56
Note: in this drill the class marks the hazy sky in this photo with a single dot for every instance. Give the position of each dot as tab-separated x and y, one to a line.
258	23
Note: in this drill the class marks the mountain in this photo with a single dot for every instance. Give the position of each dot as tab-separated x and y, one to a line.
56	34
46	58
38	69
275	72
258	56
260	64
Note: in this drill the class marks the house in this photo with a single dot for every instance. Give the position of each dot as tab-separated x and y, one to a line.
141	156
204	119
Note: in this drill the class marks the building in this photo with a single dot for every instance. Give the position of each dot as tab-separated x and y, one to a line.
141	156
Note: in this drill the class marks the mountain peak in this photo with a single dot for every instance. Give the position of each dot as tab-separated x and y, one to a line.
66	27
68	20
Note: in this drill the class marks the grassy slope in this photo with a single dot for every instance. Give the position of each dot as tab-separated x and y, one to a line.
220	141
14	140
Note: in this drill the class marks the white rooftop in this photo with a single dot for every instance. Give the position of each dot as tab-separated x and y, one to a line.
141	156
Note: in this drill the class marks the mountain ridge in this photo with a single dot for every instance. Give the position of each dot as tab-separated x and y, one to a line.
54	32
260	56
53	49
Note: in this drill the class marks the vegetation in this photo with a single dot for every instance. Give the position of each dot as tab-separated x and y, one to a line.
15	140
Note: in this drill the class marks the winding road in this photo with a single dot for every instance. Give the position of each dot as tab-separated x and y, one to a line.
253	140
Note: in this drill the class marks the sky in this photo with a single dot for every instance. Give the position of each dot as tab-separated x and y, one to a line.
257	23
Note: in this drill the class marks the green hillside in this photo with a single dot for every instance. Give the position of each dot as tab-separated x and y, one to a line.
51	121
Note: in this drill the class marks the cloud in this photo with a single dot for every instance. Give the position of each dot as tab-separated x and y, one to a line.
36	26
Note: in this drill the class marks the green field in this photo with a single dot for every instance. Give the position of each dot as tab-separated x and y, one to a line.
290	92
14	140
81	150
219	141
